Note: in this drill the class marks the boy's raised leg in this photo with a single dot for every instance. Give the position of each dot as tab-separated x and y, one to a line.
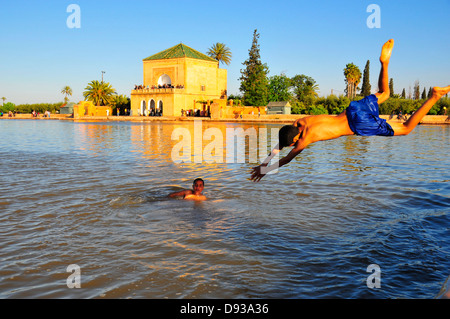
411	123
383	80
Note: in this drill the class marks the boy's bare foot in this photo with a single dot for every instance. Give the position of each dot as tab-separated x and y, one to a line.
386	51
439	92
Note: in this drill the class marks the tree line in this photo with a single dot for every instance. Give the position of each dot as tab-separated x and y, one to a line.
258	89
29	108
98	92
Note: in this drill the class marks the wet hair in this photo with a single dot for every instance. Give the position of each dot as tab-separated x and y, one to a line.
198	179
286	135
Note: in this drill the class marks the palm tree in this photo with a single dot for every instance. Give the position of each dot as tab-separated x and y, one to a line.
100	93
66	91
220	52
304	86
352	77
3	98
312	89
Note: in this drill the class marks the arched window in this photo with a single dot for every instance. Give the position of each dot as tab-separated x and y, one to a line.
151	107
160	107
143	107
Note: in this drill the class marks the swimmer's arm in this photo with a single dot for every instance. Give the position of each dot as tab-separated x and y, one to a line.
181	193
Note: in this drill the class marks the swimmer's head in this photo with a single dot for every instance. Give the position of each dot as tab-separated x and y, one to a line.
198	185
287	135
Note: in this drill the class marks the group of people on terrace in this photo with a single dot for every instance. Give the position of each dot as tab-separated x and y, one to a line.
164	86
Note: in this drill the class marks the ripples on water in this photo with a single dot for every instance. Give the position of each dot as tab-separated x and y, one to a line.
95	195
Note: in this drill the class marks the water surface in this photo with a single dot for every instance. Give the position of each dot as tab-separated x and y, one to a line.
95	195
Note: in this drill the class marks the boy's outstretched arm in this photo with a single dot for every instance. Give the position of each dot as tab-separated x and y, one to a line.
274	152
260	171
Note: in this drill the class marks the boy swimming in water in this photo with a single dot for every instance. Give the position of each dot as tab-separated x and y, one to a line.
360	118
192	194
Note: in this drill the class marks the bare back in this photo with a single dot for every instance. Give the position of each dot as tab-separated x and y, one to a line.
323	127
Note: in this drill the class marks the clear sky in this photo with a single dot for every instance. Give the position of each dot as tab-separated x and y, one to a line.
40	54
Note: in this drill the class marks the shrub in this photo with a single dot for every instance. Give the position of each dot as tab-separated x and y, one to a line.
38	107
336	105
7	107
298	107
317	110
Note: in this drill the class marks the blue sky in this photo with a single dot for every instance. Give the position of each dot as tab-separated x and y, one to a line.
39	54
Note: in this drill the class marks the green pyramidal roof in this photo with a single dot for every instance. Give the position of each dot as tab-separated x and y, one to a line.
180	51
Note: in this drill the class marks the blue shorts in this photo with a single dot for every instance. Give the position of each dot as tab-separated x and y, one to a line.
364	118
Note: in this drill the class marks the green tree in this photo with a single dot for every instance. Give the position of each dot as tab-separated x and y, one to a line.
38	107
234	97
4	99
403	94
352	78
416	90
279	86
220	52
334	104
317	110
8	107
304	87
298	107
391	87
254	81
66	91
100	93
237	99
366	87
430	92
424	94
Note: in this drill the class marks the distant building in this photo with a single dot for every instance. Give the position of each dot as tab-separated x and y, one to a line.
177	80
279	108
67	108
87	108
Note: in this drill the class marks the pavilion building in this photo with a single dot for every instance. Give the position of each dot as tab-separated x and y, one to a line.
177	80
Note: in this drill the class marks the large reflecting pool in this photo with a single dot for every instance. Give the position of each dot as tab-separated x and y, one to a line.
94	195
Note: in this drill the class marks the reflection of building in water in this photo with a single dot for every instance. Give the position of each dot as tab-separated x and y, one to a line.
151	141
207	143
220	143
176	80
94	137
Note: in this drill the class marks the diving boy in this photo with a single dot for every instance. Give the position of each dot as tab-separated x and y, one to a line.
360	118
192	194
